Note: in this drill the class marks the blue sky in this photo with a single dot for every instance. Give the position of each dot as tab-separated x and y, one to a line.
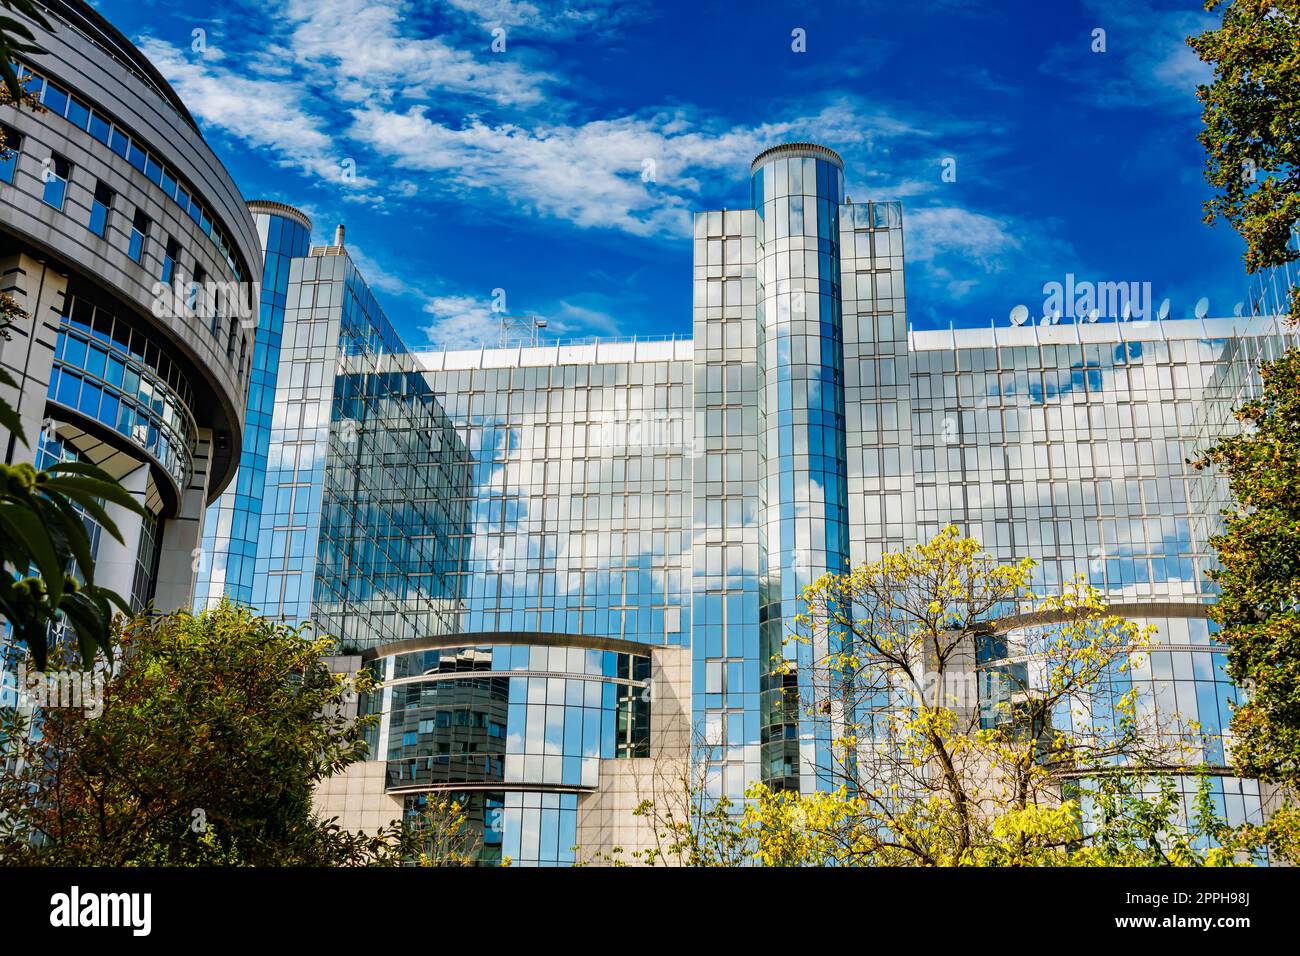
523	169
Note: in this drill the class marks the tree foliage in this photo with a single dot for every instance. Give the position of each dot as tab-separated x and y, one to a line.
962	740
1251	112
1258	576
210	739
944	728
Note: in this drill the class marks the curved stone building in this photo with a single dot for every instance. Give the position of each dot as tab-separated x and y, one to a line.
131	250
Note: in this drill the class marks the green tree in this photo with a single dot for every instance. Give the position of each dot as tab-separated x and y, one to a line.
1033	755
207	745
1251	113
1258	576
951	759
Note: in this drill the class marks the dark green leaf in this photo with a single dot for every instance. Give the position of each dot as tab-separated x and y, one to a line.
27	527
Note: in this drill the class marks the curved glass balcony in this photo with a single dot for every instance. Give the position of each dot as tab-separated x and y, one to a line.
513	714
513	733
1183	706
110	373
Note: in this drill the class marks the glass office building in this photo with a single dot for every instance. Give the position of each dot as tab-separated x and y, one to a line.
572	562
360	524
232	524
805	426
1071	444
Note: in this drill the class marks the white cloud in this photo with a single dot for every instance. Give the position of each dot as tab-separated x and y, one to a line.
546	18
641	174
362	50
949	232
461	322
571	318
962	251
269	114
1146	62
360	88
333	80
460	319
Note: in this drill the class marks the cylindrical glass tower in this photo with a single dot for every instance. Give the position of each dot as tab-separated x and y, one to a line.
797	190
232	524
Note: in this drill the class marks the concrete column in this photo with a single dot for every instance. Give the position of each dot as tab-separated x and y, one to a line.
183	534
115	563
28	354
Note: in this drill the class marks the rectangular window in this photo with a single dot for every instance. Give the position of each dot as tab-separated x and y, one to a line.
100	128
99	210
137	157
78	113
196	286
168	184
214	306
121	143
56	174
153	170
170	253
139	233
55	99
9	158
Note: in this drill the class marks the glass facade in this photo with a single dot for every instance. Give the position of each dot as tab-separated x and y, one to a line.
362	507
513	732
1071	444
734	705
576	508
233	522
112	373
825	431
505	511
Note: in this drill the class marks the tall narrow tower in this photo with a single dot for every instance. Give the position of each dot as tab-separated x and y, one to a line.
797	190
